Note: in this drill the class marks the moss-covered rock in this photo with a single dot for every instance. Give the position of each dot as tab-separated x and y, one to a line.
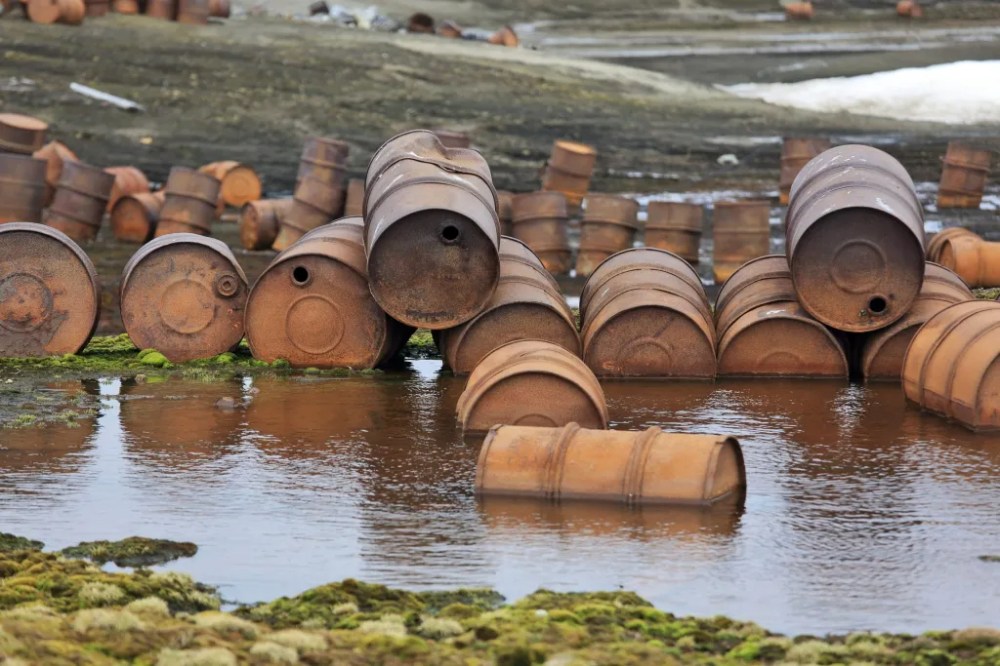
132	551
12	542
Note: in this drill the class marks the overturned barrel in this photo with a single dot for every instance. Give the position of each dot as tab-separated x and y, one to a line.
609	225
796	152
675	227
49	294
540	221
963	177
976	261
191	203
21	134
239	183
80	201
128	180
312	306
432	231
69	12
22	188
184	295
936	242
134	217
260	220
569	169
855	239
530	382
741	231
55	155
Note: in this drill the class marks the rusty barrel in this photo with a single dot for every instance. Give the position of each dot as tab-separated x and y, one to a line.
855	239
80	201
125	6
609	225
637	467
527	305
55	154
644	313
963	177
314	203
540	220
312	306
97	8
505	210
21	134
240	184
952	366
883	350
193	12
184	295
796	152
324	159
452	138
531	382
354	203
675	227
975	260
220	9
22	188
764	332
569	169
134	217
909	9
799	11
260	221
432	232
936	241
191	203
128	180
161	9
49	294
741	231
70	12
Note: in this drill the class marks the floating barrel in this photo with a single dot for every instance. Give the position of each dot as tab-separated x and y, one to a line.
882	356
506	210
240	184
134	217
49	295
975	260
70	12
22	188
795	154
260	221
952	366
184	295
741	231
530	382
312	306
964	175
527	305
936	241
450	138
354	204
324	159
21	134
569	170
609	224
675	227
431	231
55	154
314	203
128	180
193	12
540	221
639	467
161	9
855	239
764	332
646	315
80	201
191	204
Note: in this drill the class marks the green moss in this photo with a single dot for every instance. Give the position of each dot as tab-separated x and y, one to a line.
11	542
132	551
421	345
477	598
987	294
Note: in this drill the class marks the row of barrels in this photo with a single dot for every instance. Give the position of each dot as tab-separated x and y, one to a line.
72	12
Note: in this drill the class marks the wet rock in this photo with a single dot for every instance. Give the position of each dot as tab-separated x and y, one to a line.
132	552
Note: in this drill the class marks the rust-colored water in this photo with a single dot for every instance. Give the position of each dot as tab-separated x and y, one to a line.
861	512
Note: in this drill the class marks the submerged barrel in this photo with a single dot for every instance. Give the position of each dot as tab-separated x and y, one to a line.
530	382
527	305
22	188
184	295
883	350
963	177
80	201
134	217
741	231
540	221
312	306
976	261
638	467
354	203
796	152
49	293
128	180
936	242
260	221
569	170
855	239
55	155
675	227
21	134
609	225
432	231
952	366
239	183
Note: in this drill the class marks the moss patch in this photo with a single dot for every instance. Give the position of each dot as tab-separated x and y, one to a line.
12	542
132	551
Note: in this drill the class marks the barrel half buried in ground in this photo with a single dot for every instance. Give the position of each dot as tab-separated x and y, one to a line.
741	231
312	306
21	134
540	221
49	294
855	239
936	242
184	295
134	217
675	227
640	467
964	175
796	152
191	203
432	231
80	201
22	188
260	221
609	225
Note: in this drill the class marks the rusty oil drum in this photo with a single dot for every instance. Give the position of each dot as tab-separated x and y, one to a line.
527	305
134	217
963	177
49	294
675	227
432	231
976	261
569	170
644	313
128	180
314	203
22	188
540	221
21	134
312	306
452	138
125	6
80	201
530	382
883	350
184	295
506	210
741	231
324	159
193	12
260	220
55	154
191	204
161	9
855	239
638	467
69	12
609	225
97	8
936	242
952	366
796	152
354	203
240	184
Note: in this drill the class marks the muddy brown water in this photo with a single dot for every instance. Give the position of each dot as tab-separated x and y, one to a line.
861	513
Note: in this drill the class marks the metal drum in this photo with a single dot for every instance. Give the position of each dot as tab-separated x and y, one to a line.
675	227
191	204
354	204
240	184
741	231
80	201
314	203
22	188
569	170
795	154
128	180
55	155
963	178
975	260
609	225
540	220
21	134
260	221
134	217
324	159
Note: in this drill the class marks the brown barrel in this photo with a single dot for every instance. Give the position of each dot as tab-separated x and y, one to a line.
220	9
936	241
530	382
882	355
193	12
527	305
540	220
22	188
71	12
451	138
55	154
975	260
314	203
432	231
506	210
240	183
855	239
569	169
49	294
675	227
191	203
354	204
324	159
963	178
758	282
97	8
184	295
609	225
125	6
128	180
799	11
312	306
952	366
741	231
638	467
21	134
796	152
80	201
260	220
161	9
134	217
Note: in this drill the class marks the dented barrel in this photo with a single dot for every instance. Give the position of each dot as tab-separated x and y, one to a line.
975	260
675	227
80	201
609	225
796	152
191	203
569	170
540	221
741	231
964	175
134	217
22	188
260	220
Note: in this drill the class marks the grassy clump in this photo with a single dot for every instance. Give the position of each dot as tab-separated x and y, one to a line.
132	551
11	542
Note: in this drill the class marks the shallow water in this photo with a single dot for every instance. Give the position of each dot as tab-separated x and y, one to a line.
861	513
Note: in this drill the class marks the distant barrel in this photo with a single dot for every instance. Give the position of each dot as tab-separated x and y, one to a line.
315	203
128	180
569	170
325	159
22	188
675	227
21	134
125	6
506	209
239	183
97	8
69	12
609	225
964	175
260	220
134	217
975	260
161	9
540	221
193	12
80	200
740	232
191	204
795	154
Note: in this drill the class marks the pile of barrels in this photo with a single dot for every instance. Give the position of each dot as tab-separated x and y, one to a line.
72	12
